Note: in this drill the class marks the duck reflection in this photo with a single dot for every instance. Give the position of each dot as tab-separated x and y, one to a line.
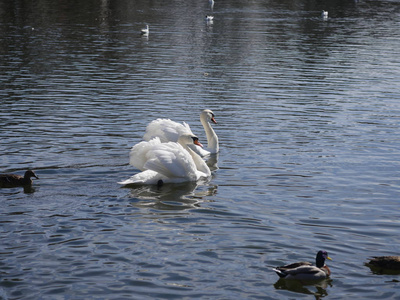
170	196
316	288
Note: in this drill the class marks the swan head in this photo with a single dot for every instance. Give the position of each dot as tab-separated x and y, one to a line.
209	115
188	139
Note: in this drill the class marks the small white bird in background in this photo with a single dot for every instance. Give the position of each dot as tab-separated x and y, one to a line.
209	18
145	31
324	14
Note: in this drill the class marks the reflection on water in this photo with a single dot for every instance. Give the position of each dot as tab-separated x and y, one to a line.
308	118
170	196
382	271
318	289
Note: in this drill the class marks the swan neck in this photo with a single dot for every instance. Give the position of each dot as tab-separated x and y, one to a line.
212	138
199	162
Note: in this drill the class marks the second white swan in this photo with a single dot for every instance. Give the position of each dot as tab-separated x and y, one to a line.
169	131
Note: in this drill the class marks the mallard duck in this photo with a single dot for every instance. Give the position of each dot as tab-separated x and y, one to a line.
305	270
386	262
12	180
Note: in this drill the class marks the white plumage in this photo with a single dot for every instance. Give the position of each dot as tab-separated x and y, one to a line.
169	131
171	162
145	31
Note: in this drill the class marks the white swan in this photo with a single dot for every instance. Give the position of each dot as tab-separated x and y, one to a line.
167	162
324	14
145	31
169	131
209	18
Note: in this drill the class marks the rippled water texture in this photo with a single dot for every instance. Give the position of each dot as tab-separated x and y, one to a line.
308	120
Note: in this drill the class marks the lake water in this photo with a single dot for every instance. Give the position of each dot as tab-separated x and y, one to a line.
308	118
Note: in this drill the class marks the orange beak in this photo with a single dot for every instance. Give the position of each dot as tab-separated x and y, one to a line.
196	142
213	120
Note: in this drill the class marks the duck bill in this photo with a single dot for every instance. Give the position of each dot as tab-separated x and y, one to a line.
328	258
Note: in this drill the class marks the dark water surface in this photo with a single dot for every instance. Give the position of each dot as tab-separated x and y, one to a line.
308	113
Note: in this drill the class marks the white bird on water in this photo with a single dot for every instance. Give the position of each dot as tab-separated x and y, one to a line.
171	162
169	131
145	31
324	14
209	18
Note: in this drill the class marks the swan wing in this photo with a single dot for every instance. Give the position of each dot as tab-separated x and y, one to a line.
166	130
145	177
172	161
139	153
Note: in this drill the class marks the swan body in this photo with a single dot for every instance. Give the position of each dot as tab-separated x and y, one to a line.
324	14
209	18
169	131
171	162
145	31
13	180
305	270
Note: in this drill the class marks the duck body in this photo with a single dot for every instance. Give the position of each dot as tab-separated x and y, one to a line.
13	180
305	271
169	131
386	262
171	162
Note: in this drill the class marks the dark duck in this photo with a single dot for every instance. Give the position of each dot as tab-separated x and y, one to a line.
13	180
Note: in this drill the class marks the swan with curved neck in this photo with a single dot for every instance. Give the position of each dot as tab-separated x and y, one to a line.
169	131
171	162
206	117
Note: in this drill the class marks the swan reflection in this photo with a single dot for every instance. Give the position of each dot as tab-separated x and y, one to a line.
171	196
